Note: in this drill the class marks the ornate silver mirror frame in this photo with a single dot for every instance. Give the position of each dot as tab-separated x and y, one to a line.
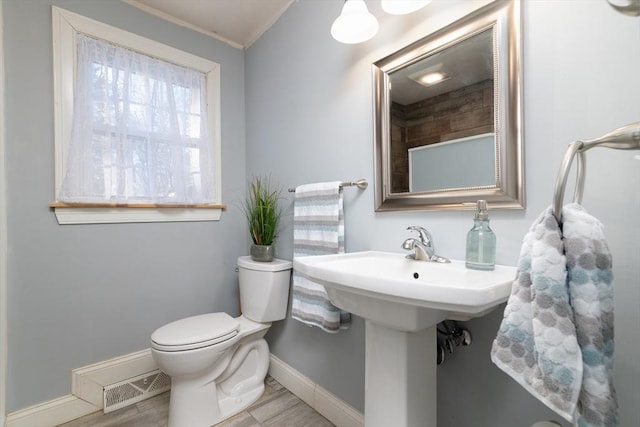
500	24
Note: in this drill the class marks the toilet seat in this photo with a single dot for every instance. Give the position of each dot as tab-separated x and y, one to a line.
195	332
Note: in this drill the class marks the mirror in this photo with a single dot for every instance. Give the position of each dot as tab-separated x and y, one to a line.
448	116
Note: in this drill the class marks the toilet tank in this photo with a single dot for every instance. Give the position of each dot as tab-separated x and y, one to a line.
264	288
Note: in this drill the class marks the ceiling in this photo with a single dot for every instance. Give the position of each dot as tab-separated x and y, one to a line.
236	22
241	22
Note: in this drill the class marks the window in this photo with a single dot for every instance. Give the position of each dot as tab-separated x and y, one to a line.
137	127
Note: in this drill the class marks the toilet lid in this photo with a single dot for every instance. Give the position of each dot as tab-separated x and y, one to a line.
196	331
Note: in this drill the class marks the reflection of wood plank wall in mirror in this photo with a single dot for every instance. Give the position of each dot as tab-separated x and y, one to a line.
399	150
457	114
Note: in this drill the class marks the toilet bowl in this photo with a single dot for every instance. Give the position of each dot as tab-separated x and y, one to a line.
218	363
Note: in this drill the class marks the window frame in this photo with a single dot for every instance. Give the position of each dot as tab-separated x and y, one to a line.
66	25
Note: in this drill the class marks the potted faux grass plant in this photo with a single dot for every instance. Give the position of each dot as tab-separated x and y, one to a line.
263	216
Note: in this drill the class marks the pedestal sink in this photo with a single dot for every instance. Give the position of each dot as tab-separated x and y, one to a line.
402	301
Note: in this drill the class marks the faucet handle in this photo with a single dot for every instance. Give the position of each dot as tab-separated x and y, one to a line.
425	236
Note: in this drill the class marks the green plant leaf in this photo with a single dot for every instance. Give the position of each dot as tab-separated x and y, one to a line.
262	211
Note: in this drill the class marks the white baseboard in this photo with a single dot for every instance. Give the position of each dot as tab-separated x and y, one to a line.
88	382
51	413
86	387
325	403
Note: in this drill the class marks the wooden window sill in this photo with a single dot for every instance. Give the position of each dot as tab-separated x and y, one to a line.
100	213
134	205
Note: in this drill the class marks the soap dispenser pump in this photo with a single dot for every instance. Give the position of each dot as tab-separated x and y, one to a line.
481	241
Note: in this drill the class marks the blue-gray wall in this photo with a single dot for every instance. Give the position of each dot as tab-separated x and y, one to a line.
309	118
82	294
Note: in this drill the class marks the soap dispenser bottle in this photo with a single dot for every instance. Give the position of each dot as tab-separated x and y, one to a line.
481	241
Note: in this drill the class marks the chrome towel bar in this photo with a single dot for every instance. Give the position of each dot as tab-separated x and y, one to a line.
361	184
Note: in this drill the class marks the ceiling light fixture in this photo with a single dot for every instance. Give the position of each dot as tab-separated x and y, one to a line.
355	24
402	7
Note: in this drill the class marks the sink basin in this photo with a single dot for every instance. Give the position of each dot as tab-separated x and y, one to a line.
402	300
405	294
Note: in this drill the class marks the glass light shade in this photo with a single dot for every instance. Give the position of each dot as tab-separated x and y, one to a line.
355	24
402	7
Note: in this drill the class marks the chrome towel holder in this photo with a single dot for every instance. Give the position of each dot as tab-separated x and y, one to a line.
623	138
632	8
361	184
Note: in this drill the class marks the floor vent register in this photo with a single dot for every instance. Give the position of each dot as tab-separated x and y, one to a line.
133	390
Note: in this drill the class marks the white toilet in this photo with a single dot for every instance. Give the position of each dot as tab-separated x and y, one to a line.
218	363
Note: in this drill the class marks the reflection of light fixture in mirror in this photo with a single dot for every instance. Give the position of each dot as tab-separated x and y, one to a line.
429	78
355	24
401	7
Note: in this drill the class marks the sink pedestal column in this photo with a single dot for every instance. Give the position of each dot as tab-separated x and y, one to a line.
400	377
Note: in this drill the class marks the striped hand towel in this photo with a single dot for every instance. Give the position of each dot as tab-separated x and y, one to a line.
318	229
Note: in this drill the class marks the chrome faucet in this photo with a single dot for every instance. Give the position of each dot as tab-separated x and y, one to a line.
423	246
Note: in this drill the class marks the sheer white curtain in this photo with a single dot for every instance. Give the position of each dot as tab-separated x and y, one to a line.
139	130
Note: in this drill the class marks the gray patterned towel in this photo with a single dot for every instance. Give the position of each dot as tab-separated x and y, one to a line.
556	338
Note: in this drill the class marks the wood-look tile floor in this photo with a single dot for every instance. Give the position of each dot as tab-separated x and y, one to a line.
277	407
